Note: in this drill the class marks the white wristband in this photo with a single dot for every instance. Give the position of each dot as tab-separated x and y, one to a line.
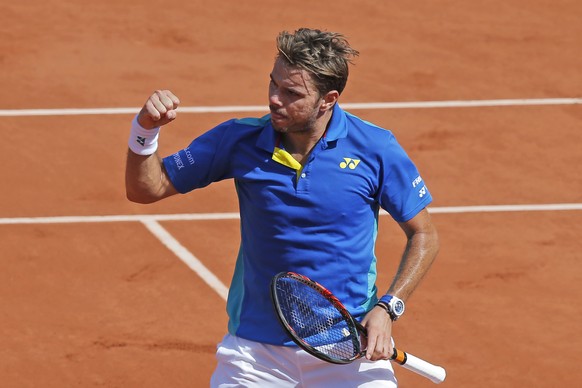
143	141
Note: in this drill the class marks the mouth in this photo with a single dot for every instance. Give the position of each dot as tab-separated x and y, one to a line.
278	121
276	112
276	115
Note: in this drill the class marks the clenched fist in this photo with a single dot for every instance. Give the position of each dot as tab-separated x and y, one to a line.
159	109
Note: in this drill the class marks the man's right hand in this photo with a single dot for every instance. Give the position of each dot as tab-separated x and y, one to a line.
159	109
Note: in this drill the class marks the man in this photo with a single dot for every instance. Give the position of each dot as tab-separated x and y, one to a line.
310	179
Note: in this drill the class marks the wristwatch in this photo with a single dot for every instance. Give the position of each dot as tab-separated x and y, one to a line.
393	305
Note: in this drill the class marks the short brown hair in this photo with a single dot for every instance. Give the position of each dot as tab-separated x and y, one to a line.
323	54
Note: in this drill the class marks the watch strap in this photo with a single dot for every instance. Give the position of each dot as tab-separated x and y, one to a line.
385	303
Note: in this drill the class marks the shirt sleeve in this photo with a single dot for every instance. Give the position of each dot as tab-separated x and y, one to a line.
204	161
402	191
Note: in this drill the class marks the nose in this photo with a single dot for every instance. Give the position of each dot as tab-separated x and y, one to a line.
274	99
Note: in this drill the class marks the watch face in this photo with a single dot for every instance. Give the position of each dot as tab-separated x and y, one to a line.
398	307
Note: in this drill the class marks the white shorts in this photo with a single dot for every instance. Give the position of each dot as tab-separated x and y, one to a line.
244	363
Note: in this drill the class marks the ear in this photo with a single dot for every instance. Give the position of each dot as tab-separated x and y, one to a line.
329	100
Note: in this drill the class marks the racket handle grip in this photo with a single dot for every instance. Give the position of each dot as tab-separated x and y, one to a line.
434	373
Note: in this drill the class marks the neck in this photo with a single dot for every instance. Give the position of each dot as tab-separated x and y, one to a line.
302	142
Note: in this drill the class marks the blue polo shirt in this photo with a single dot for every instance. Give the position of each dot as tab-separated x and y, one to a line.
320	220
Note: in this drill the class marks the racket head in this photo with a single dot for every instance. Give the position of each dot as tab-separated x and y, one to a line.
315	319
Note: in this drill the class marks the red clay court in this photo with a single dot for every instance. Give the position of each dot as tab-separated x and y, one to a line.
485	97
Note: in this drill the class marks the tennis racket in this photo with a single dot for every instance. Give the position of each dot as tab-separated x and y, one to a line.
320	324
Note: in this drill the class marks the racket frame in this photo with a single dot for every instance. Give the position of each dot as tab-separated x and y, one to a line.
355	328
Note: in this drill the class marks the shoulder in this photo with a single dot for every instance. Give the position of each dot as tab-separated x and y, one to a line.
234	130
366	132
252	122
247	123
242	127
368	126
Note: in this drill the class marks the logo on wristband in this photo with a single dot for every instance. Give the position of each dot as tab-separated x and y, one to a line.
141	140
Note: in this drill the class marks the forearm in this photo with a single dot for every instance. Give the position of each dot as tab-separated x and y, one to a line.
145	178
421	250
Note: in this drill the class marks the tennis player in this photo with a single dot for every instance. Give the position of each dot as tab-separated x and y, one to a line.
311	179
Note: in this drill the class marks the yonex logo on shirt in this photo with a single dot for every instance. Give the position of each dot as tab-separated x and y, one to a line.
178	161
349	162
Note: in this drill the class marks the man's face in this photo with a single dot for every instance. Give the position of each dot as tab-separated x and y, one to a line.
293	99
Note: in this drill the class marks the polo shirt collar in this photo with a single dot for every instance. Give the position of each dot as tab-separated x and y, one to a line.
337	129
338	126
268	136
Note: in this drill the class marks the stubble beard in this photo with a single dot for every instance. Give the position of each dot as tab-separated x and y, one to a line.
305	126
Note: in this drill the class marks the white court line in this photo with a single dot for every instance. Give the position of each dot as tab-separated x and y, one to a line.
505	208
188	258
120	218
264	108
151	223
234	216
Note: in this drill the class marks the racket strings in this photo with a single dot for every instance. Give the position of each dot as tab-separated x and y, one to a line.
316	321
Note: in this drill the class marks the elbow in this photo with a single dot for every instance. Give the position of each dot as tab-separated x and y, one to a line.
140	198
